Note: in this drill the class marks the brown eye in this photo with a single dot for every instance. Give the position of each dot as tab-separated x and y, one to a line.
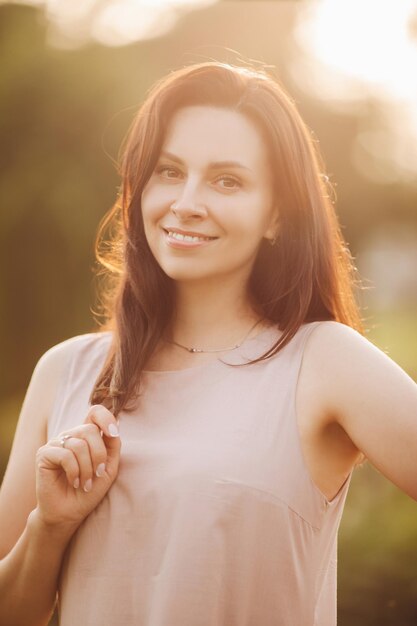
165	168
235	184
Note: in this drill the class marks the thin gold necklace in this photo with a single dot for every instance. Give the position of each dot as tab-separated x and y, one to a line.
222	349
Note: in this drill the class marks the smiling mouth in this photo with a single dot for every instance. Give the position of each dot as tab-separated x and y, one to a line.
189	238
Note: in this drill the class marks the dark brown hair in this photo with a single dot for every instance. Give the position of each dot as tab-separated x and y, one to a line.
308	275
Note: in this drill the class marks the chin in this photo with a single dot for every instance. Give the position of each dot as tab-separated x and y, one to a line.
185	271
184	276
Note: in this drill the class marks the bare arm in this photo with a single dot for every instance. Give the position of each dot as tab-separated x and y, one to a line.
372	398
39	507
18	489
29	574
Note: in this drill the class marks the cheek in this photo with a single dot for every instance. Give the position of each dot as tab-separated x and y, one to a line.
245	223
149	217
158	193
152	207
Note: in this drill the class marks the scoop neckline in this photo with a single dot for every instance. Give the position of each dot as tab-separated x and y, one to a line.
216	361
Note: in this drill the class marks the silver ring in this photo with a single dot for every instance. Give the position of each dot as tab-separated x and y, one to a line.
63	440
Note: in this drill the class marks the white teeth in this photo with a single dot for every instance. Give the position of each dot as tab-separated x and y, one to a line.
187	237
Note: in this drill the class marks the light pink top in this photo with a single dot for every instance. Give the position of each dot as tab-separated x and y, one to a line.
213	519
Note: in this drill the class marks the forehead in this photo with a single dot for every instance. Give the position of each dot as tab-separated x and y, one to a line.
214	132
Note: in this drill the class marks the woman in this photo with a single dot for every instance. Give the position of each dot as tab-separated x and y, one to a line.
234	364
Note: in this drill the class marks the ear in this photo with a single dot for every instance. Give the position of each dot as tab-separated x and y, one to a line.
273	228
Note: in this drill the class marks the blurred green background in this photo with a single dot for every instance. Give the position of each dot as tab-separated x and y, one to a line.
70	83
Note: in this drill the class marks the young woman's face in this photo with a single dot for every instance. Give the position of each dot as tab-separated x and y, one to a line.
212	179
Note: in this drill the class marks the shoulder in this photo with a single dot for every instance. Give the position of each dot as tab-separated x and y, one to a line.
332	328
334	341
61	353
370	396
337	360
351	375
53	364
338	349
338	345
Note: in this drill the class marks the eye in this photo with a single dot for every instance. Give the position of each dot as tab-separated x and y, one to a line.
166	168
235	184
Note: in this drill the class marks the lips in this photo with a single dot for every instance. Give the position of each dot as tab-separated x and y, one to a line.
187	242
187	232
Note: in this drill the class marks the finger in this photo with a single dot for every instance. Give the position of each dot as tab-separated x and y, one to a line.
81	451
91	434
52	457
98	451
104	419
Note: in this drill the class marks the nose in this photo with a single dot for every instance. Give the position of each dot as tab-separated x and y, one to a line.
188	204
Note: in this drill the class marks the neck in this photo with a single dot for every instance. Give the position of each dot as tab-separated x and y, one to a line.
212	315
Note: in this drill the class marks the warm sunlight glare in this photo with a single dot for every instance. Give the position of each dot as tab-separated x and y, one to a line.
125	21
74	23
369	40
362	54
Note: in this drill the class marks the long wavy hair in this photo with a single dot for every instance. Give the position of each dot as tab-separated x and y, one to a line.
308	275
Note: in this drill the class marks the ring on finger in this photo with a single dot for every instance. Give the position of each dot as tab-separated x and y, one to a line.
63	440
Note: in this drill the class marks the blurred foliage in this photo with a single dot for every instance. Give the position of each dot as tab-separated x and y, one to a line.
377	554
63	115
377	570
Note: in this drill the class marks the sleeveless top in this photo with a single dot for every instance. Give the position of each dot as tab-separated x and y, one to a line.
213	519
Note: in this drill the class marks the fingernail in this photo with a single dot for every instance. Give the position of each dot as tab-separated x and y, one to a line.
76	483
113	430
100	469
88	485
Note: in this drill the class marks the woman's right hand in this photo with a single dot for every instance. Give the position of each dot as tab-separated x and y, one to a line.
64	474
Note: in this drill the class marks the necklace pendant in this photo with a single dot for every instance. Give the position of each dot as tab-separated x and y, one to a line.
195	350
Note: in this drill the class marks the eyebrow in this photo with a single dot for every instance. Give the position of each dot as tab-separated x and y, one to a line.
213	165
